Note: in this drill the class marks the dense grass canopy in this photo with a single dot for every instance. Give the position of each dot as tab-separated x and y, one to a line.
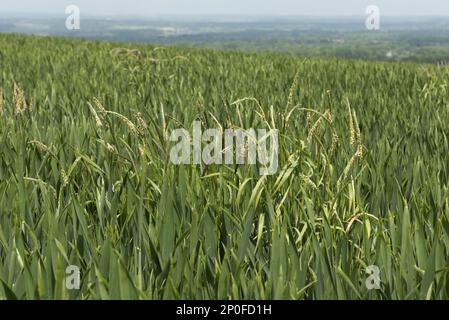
85	176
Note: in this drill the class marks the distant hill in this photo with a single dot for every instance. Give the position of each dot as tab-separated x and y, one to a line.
419	39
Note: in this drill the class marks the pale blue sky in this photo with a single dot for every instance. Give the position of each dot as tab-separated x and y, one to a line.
241	7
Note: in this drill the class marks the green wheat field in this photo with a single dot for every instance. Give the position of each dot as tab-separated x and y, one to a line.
86	177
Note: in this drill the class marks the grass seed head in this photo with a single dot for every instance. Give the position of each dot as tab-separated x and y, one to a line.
2	104
351	131
65	178
292	91
140	124
40	146
18	100
99	105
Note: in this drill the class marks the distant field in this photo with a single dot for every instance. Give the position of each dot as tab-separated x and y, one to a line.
85	176
417	39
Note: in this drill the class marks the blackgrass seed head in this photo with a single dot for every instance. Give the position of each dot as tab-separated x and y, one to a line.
65	178
2	107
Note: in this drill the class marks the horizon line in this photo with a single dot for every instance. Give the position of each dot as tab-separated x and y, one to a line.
230	15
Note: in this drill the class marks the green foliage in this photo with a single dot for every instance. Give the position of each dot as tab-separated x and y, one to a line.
85	176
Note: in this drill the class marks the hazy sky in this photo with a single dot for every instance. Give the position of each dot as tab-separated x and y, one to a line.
242	7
